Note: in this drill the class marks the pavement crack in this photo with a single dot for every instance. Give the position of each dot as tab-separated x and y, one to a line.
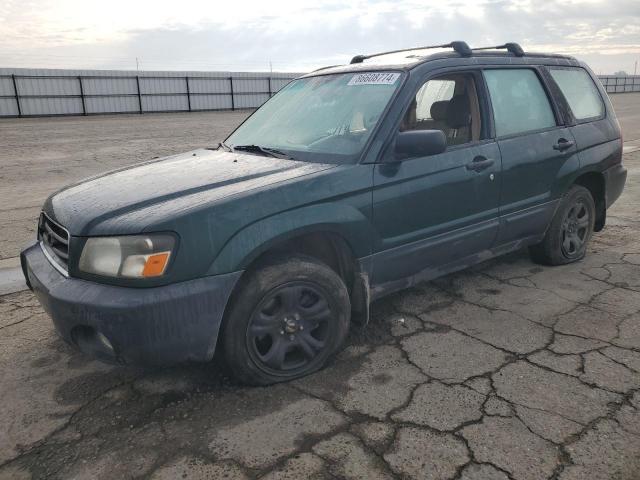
602	351
15	323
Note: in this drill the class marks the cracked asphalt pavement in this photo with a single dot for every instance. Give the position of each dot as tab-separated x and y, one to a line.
508	370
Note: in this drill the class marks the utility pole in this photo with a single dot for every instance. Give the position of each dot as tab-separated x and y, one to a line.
635	68
137	65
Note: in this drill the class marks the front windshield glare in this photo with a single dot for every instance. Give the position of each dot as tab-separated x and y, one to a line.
327	118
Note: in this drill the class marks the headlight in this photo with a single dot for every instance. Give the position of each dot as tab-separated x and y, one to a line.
135	256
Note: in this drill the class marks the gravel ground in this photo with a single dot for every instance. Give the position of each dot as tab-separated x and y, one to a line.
40	155
505	371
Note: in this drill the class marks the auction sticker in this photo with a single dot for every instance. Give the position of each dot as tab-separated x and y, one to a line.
374	78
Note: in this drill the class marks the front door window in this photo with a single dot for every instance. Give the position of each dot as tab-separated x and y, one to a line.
448	103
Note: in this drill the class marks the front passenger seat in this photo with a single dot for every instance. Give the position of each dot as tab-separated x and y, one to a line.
439	116
459	120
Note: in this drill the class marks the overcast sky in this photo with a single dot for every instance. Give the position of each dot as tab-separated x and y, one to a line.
294	35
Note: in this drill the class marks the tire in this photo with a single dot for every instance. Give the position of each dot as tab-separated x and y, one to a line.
570	230
288	317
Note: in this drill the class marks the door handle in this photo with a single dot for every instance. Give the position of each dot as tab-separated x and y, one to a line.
563	144
479	163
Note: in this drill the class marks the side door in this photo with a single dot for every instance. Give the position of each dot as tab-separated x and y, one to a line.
593	124
589	123
437	210
536	148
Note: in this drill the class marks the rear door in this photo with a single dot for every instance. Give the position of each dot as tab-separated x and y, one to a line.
440	209
535	147
595	130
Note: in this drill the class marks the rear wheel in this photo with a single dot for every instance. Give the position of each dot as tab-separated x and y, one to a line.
285	321
568	235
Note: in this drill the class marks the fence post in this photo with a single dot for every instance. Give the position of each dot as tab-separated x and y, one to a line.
270	89
139	94
15	91
233	104
186	79
84	106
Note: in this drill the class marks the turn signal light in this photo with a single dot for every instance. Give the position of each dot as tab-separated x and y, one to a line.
155	264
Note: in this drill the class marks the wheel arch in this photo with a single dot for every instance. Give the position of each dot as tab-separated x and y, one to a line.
337	235
594	181
313	221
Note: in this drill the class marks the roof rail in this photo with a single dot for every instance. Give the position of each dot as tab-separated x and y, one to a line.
461	47
324	68
511	47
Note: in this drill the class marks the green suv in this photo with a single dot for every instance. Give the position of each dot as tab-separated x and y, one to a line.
351	183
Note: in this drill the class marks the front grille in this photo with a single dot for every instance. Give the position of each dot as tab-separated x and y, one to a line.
54	239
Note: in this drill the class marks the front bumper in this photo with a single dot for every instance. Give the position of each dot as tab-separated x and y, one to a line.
148	326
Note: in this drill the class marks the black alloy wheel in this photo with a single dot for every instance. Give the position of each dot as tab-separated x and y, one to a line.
289	328
575	229
570	230
287	317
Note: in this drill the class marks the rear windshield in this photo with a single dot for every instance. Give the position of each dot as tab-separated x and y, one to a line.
327	118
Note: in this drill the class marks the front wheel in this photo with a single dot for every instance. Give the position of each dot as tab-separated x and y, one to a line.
568	235
286	320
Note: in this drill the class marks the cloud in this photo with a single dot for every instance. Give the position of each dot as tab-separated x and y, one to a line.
294	35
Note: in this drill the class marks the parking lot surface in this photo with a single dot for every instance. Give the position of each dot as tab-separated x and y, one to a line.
509	370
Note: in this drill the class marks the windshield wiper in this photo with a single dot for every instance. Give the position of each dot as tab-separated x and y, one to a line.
267	151
224	146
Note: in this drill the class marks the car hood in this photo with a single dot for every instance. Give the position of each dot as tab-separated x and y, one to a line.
189	180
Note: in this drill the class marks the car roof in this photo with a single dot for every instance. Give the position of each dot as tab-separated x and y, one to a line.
408	59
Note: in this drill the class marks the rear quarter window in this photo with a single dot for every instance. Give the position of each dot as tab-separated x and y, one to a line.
578	88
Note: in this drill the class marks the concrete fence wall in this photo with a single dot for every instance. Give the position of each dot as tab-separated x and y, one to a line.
41	92
29	92
621	84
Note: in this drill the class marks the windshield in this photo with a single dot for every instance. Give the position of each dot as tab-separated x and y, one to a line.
327	118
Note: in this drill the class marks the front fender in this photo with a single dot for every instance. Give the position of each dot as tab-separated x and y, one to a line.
246	245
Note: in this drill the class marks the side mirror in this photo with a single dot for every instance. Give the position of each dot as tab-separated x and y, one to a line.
420	143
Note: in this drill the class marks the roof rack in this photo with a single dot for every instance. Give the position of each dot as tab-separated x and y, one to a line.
461	47
511	47
324	68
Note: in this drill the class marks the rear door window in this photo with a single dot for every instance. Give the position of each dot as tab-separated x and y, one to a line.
578	88
519	101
